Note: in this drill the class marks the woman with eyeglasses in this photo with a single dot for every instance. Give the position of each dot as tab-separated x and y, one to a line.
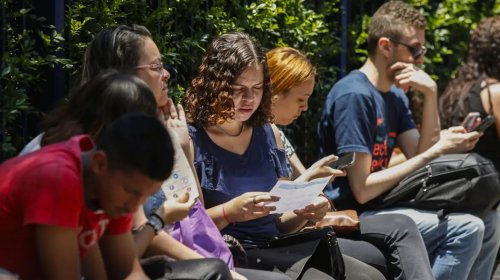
133	50
94	106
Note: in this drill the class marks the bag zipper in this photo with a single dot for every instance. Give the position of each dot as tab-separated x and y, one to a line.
429	175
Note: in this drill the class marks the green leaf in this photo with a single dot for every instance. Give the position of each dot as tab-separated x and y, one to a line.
5	70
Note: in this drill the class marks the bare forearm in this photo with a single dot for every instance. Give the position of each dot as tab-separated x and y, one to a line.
164	244
429	132
92	264
216	214
304	177
384	180
60	263
289	222
142	239
297	167
118	253
137	273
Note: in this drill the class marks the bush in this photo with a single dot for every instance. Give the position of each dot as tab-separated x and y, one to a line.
29	46
183	28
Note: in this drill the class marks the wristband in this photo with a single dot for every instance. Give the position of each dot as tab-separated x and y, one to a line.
224	215
158	217
155	222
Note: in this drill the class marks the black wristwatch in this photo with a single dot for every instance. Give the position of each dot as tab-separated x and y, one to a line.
155	222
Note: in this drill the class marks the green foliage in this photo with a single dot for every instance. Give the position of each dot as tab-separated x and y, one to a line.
449	23
183	28
182	39
28	50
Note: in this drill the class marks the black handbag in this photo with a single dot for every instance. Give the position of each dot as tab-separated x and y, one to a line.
293	253
451	183
159	268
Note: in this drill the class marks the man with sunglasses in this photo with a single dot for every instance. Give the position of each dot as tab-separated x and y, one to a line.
367	112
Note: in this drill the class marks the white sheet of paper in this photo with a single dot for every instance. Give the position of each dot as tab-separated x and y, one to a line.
296	195
182	177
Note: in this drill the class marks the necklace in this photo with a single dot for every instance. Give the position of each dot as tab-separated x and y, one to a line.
229	134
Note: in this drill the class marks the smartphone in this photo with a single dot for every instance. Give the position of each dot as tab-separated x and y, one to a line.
470	121
344	161
485	123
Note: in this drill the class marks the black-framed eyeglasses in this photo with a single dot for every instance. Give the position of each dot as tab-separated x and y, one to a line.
416	52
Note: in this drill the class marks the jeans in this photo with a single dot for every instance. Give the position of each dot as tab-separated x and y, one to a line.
485	263
460	246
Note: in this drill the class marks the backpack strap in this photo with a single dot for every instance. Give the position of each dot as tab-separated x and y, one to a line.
442	214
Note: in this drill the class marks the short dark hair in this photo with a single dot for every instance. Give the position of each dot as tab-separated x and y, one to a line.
96	104
391	20
208	99
138	142
116	47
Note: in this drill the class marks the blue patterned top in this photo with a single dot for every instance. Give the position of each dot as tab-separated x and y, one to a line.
225	175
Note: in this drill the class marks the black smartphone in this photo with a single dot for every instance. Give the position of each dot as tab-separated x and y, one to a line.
470	121
344	161
485	123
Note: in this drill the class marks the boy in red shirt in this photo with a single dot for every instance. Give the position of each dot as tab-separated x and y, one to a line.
64	210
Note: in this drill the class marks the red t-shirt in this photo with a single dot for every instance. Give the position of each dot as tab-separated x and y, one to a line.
45	187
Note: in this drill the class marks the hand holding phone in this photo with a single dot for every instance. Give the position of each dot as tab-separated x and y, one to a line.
485	123
344	161
470	121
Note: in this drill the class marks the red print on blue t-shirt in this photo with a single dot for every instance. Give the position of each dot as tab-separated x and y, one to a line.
384	142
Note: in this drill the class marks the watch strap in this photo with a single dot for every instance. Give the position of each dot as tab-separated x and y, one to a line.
155	222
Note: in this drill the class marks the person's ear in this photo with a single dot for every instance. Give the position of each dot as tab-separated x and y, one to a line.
99	162
385	46
274	98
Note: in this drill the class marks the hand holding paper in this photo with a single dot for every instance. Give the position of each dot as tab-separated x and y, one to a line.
315	211
249	206
296	195
182	179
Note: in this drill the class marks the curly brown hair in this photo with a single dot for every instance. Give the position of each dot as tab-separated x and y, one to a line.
391	20
208	100
482	61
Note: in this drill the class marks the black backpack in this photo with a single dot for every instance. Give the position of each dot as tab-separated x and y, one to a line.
466	183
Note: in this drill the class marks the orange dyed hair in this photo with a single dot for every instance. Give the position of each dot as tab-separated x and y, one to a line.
288	68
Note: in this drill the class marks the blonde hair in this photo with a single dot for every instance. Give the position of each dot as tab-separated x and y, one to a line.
288	68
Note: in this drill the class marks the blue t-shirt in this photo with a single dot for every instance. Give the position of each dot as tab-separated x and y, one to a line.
225	175
357	117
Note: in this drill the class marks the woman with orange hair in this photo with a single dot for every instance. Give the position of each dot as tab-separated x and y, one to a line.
395	236
239	156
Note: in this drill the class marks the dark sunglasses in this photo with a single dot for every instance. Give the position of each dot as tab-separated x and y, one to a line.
416	52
